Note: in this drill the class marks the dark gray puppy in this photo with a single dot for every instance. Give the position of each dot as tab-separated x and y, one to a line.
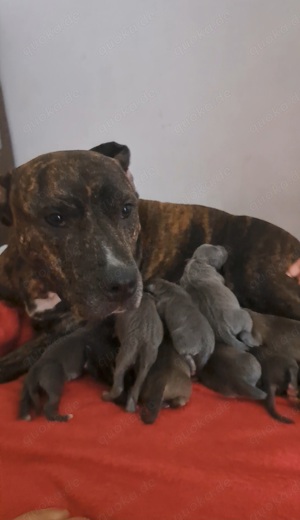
191	333
63	361
201	279
140	332
279	375
233	373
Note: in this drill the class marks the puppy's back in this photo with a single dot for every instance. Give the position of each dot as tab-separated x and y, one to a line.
142	324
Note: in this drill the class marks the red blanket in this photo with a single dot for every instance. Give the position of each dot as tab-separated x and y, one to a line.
215	459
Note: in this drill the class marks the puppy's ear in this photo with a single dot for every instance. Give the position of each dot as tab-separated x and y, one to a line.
5	212
119	152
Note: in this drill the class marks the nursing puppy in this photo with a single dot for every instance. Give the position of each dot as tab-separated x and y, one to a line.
140	333
63	361
231	324
279	375
191	334
168	382
233	373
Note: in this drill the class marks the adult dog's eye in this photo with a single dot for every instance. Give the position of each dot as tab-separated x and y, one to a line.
55	219
126	210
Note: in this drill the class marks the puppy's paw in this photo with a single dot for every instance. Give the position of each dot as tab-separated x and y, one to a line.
292	392
59	418
147	415
130	406
25	417
112	394
178	402
191	363
106	396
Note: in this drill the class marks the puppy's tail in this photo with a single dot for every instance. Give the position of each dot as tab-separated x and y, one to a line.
270	406
248	391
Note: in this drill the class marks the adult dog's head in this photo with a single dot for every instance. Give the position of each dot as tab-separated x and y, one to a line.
74	220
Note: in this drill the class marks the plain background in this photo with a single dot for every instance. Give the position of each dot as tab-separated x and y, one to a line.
205	92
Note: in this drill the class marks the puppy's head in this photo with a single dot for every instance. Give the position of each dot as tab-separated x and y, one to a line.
215	256
74	217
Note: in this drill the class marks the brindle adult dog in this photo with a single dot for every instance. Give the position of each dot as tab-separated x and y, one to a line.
78	230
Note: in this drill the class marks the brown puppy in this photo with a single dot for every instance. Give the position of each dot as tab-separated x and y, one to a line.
279	374
233	373
168	381
140	333
73	215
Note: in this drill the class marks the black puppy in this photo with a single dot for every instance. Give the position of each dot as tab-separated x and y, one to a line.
279	375
63	361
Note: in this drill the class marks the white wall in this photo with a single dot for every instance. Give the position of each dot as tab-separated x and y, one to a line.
205	92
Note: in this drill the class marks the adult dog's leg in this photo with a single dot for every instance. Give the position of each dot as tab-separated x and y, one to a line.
20	360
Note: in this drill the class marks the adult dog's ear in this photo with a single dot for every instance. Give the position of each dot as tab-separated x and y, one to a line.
119	152
5	212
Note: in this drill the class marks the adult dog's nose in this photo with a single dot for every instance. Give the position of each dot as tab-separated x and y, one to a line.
121	282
